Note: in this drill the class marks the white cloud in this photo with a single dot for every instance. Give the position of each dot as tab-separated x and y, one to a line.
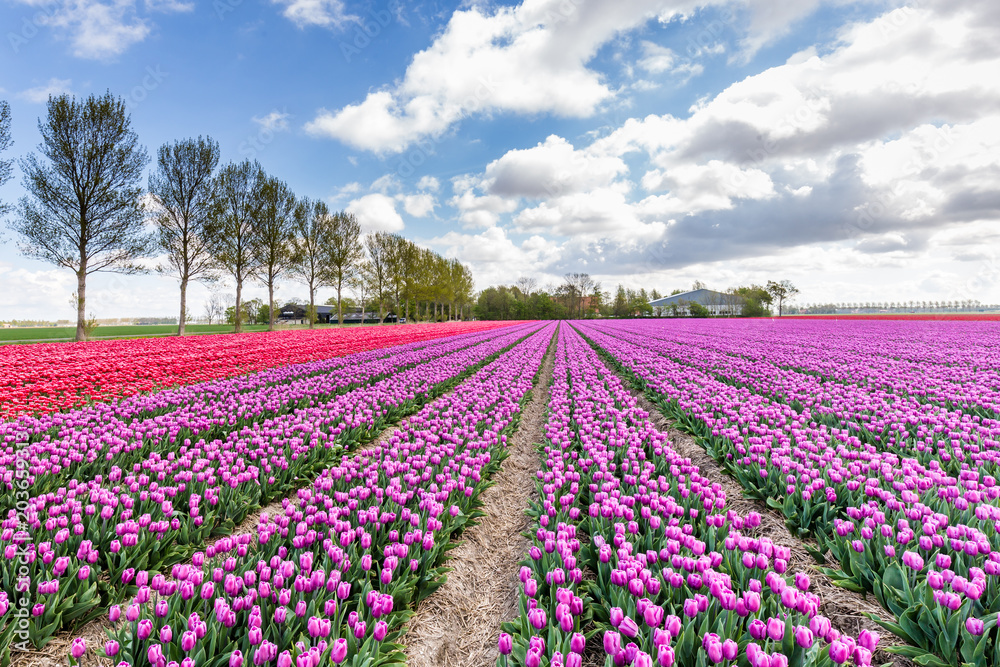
428	183
169	6
602	213
40	94
476	210
322	13
495	258
376	212
524	59
708	187
656	59
276	121
100	29
419	206
529	59
550	169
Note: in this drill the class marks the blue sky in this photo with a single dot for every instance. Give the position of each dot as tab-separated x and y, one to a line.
848	146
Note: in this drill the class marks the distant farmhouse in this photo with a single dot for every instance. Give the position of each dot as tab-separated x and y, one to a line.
716	303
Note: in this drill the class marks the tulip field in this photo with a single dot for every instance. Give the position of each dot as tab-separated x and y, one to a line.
134	474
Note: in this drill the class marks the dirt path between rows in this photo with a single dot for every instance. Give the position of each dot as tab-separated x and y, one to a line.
844	608
460	622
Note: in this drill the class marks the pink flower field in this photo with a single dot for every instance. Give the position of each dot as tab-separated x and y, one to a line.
701	492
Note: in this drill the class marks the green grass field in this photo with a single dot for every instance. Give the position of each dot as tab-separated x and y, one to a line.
58	334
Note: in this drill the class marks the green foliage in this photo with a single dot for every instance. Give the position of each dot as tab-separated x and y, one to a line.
698	310
83	210
509	303
756	300
781	292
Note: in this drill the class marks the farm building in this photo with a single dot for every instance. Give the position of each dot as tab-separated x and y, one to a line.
717	303
293	312
328	315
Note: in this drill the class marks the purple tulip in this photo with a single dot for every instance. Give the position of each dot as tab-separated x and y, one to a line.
612	643
339	652
629	627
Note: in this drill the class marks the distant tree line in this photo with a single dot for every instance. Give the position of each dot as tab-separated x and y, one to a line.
898	307
579	296
86	210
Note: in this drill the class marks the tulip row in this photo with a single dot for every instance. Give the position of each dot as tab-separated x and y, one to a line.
938	577
876	413
335	575
84	443
950	365
79	543
56	376
676	580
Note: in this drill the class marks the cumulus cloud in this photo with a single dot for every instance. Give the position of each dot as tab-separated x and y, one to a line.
429	183
376	212
550	169
322	13
276	121
100	29
496	257
531	58
419	206
41	94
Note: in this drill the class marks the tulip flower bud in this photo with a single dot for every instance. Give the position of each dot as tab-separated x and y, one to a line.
339	651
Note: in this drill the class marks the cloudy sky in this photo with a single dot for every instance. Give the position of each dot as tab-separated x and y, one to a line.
852	147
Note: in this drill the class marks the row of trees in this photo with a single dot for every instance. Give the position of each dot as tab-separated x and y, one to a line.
948	306
86	210
579	296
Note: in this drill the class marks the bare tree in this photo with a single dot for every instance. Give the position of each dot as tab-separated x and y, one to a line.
84	210
311	248
585	284
526	285
274	229
236	198
345	254
215	308
182	189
